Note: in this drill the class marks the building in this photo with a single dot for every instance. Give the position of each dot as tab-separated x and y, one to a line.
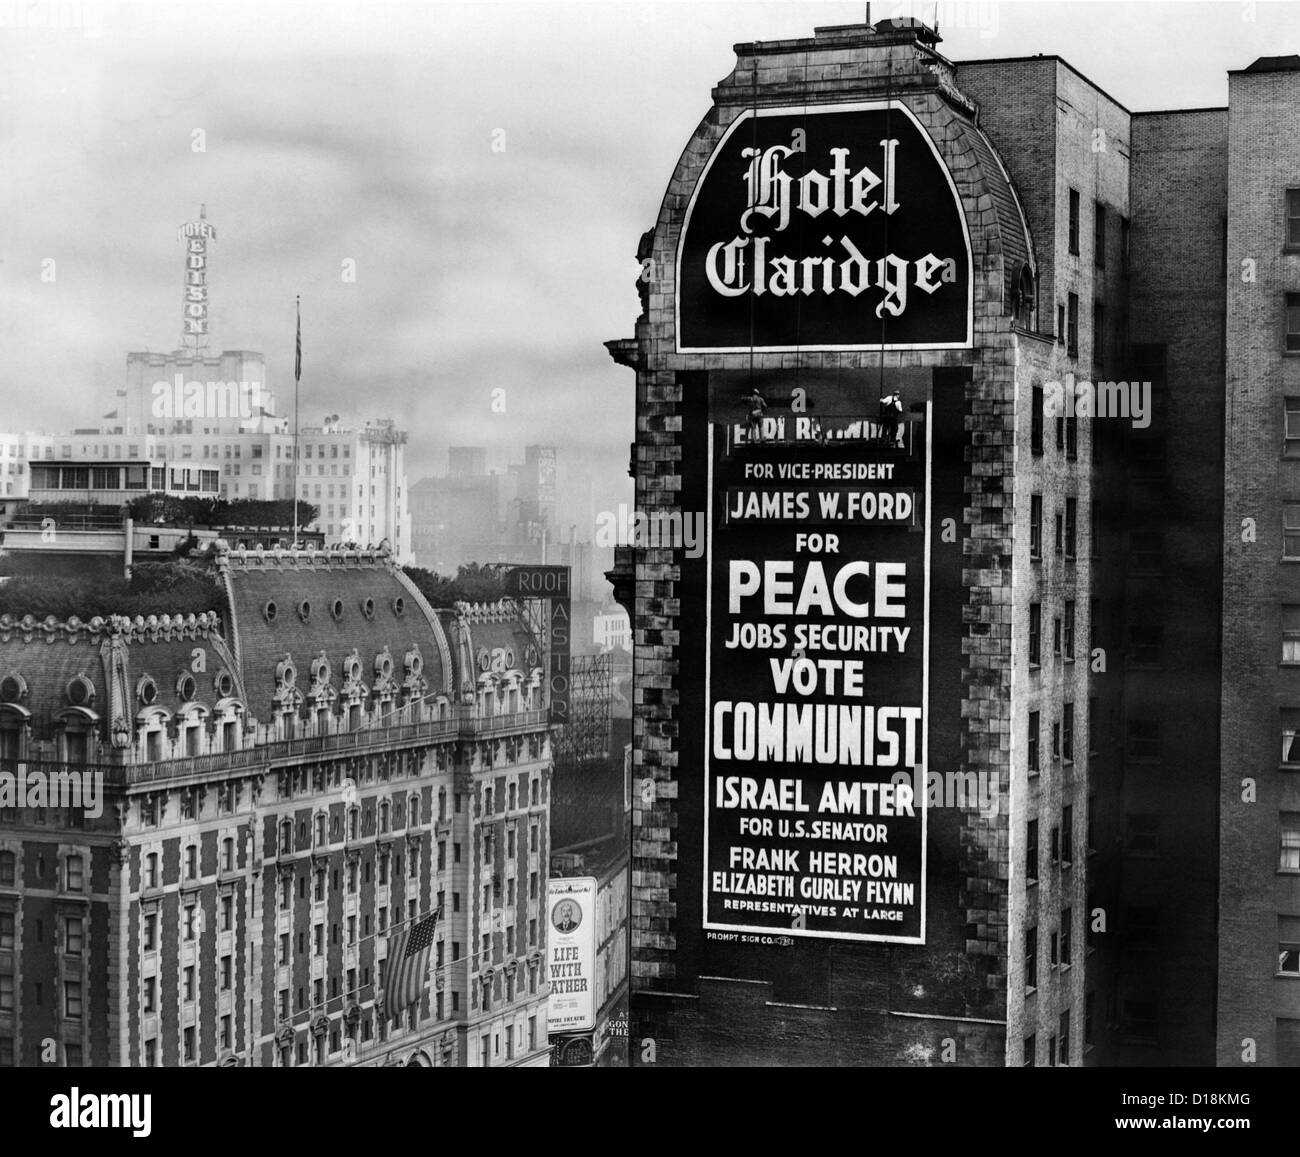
473	515
210	423
363	496
17	452
455	518
1247	155
276	780
612	630
1054	535
606	861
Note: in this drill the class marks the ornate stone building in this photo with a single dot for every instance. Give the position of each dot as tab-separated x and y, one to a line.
282	782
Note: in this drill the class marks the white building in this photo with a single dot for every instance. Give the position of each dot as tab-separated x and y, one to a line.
17	452
612	630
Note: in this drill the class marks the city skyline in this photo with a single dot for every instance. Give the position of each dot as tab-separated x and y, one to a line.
489	235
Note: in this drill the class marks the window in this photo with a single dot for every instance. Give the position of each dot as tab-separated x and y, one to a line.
1074	222
1144	643
1291	633
1139	1022
1071	422
1036	421
151	870
1065	1037
1148	456
1143	740
1072	325
1036	526
1067	733
1035	634
6	930
187	1043
1146	552
1067	642
1290	731
1067	917
1030	1056
1288	945
1031	754
8	868
73	935
72	999
1099	237
1031	958
1031	851
1058	538
76	880
1056	636
151	932
1291	530
1293	323
1060	325
1289	856
1071	526
1142	835
191	861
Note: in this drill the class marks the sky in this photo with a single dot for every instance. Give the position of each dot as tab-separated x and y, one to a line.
486	168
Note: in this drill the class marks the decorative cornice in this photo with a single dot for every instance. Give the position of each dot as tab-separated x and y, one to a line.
502	611
154	628
257	559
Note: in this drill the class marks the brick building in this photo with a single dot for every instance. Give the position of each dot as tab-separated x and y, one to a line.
1251	153
287	778
1073	562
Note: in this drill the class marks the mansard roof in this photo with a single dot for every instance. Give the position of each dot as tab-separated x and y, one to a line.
42	664
305	603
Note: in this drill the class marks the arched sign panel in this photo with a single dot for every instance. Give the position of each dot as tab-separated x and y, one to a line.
826	228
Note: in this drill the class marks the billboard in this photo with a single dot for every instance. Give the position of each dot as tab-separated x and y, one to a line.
816	677
571	954
834	227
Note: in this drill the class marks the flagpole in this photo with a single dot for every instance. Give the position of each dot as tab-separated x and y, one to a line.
297	374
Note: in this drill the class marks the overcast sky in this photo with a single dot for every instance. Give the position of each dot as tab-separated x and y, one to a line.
365	132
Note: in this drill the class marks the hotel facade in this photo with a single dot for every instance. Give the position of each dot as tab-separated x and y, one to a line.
940	348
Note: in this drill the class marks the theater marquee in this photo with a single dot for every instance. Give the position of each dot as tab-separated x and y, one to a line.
834	227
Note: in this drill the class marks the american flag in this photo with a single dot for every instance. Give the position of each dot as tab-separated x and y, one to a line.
297	355
407	964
